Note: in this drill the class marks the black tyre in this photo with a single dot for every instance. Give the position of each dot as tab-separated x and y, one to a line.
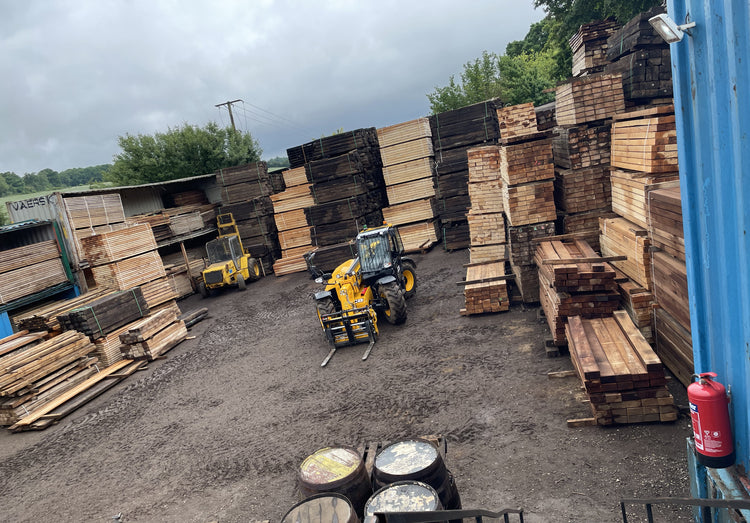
325	306
253	267
395	303
409	272
241	285
203	290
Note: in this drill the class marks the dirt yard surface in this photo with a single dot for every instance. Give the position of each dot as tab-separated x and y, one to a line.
216	431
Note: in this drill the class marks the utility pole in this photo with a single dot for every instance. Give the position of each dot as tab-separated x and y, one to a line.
229	107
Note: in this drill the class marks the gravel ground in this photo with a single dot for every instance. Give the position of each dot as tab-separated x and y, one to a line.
216	431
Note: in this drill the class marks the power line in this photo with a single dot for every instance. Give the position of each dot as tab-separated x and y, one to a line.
229	108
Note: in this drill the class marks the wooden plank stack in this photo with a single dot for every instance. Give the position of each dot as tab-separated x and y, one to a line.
294	233
408	158
638	302
619	237
589	99
582	146
568	287
44	317
29	269
585	225
152	336
583	190
483	291
158	221
104	315
453	133
522	241
623	377
589	46
109	247
645	140
630	190
641	56
92	214
328	258
34	373
244	182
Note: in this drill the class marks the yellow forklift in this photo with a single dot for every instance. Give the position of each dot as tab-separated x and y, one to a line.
228	263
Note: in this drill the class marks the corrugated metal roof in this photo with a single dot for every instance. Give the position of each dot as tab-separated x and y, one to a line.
128	187
712	106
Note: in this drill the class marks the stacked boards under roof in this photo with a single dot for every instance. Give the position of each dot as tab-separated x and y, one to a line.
408	159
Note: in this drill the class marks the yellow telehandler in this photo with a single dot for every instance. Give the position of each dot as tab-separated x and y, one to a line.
228	263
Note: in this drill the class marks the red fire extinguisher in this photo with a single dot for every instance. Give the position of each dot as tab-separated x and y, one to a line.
709	409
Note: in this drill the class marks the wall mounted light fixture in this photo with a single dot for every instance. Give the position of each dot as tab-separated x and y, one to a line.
668	29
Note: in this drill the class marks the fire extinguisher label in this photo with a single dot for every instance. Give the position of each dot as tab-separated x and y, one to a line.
697	432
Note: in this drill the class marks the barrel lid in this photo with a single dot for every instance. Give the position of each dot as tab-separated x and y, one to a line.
406	457
329	465
321	508
403	496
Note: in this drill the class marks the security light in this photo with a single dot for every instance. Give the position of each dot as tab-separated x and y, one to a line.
668	29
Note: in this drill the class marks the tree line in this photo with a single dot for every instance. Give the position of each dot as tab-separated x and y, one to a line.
49	180
530	68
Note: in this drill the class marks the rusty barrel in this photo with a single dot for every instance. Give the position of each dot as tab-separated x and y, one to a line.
418	460
322	508
403	496
336	469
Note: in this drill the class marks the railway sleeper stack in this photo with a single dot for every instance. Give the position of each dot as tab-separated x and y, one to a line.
44	317
36	371
641	56
485	288
294	234
589	46
408	159
527	174
453	134
245	192
623	377
256	224
573	281
104	315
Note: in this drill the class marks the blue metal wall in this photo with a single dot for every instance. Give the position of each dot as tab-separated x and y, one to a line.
711	71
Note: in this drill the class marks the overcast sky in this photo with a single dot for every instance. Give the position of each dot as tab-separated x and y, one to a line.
78	74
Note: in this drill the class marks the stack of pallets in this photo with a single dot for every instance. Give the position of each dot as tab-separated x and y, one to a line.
408	158
624	379
574	281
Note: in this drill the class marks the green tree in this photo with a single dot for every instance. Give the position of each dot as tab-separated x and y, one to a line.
525	77
278	161
480	80
179	153
14	181
34	182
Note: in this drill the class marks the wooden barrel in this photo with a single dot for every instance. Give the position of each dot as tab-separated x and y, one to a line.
322	508
403	496
419	460
336	469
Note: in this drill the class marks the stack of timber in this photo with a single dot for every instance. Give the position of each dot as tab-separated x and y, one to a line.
158	221
671	294
328	258
28	269
243	182
485	217
104	315
545	117
516	121
585	225
336	145
191	197
245	192
589	99
152	336
638	302
128	258
408	158
348	190
485	288
256	224
93	214
645	140
35	372
453	133
582	146
573	281
619	237
185	223
294	234
623	377
589	46
583	190
44	317
522	241
665	221
641	56
630	190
